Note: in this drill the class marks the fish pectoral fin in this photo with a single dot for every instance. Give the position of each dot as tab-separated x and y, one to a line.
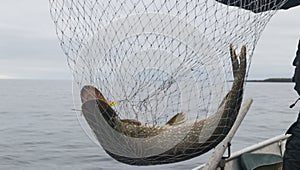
179	118
131	121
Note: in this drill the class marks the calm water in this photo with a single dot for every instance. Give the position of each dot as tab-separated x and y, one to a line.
38	129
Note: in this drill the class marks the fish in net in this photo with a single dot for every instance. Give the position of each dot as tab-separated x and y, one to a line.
158	81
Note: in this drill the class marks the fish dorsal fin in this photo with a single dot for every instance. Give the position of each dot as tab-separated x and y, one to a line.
179	118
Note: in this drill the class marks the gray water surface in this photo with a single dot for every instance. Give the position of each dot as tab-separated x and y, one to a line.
39	130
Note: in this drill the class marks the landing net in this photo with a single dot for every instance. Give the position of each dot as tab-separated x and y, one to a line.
155	59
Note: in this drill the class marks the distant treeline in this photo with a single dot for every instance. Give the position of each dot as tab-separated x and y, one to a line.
272	80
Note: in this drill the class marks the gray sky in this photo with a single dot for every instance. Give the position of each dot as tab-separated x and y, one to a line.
29	47
277	46
28	44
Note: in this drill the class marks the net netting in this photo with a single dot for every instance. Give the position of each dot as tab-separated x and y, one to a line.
169	82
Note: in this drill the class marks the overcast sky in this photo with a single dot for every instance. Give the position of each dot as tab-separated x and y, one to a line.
28	44
29	47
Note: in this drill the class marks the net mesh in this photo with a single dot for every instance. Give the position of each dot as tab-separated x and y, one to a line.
156	60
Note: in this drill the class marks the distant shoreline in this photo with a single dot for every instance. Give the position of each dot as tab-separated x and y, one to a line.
278	80
275	80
